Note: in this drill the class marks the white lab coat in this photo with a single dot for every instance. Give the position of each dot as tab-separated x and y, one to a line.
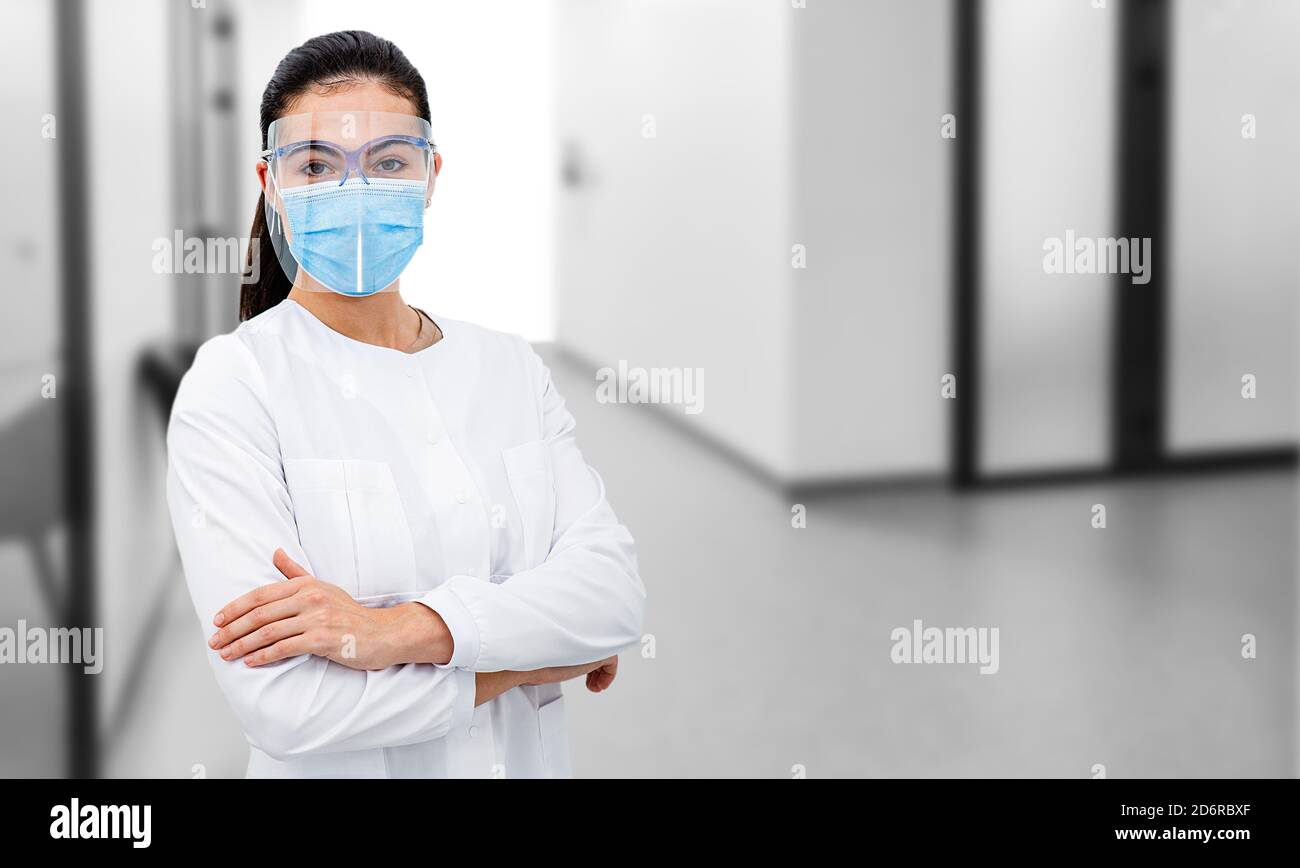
448	476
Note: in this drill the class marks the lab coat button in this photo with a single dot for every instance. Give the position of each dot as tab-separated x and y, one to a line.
473	731
434	437
461	496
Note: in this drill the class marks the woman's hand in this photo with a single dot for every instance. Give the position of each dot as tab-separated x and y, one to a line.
490	685
600	674
307	616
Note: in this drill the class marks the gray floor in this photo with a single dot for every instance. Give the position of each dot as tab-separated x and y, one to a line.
1119	647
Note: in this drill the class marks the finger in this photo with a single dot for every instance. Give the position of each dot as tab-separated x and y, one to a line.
263	637
287	565
602	678
277	610
294	646
241	606
596	677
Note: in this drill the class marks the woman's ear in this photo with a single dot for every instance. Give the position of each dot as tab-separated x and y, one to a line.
261	175
433	178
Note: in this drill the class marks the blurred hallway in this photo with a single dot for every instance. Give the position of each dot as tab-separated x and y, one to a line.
772	644
835	215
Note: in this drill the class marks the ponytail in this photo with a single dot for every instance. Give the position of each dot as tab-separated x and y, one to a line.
272	285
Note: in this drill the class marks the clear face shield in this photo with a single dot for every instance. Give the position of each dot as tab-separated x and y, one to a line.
345	196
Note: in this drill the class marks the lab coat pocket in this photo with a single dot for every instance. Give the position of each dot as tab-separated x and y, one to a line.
528	469
385	555
352	525
320	508
553	730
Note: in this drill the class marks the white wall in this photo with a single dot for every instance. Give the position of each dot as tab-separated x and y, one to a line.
29	248
776	126
870	181
1235	220
674	250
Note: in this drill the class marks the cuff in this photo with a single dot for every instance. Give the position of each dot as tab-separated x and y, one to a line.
460	623
462	711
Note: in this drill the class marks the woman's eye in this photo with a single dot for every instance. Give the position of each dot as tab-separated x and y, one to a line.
392	164
315	168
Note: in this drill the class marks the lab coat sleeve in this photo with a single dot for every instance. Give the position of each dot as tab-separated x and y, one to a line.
230	510
583	603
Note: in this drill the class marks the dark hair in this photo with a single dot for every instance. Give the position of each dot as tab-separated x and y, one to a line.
324	62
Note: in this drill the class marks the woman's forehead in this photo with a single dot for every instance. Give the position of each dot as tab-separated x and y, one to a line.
366	95
349	111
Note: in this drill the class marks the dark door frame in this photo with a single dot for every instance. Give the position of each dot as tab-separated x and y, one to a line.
76	380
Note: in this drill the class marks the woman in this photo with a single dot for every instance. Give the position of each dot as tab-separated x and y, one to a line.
384	517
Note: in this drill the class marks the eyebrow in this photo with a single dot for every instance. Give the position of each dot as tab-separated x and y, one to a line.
388	144
315	148
313	143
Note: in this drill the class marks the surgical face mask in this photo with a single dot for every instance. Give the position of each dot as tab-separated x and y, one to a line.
356	237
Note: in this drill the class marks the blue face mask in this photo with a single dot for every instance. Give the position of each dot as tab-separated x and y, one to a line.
356	237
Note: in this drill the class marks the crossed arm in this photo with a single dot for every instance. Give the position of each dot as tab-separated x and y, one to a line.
303	615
